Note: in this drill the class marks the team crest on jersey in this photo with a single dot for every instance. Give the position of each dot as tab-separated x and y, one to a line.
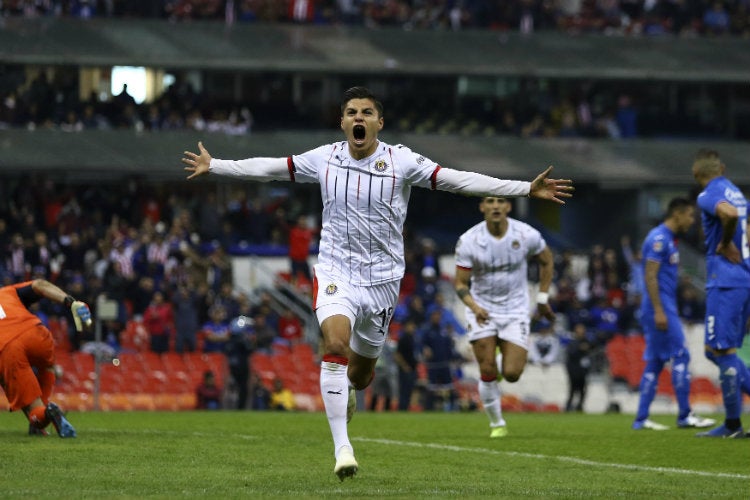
381	166
331	289
658	245
515	245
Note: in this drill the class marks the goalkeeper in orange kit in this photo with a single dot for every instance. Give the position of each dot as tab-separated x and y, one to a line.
26	345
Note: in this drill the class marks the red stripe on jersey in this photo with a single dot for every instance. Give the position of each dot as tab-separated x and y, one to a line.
290	166
339	360
433	178
314	290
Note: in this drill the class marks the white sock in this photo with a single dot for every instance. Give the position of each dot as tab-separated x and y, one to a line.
489	394
334	388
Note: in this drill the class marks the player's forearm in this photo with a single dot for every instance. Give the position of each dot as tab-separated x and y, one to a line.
546	270
462	290
45	289
652	285
259	169
728	228
471	183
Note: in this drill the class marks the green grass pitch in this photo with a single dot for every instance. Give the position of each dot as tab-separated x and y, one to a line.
417	455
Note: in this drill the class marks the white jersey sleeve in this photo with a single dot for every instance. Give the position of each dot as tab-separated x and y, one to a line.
535	241
259	169
471	183
306	167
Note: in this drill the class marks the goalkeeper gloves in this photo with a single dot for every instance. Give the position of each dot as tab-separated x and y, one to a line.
81	312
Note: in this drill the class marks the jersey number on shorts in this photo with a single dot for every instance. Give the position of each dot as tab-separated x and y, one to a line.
710	320
385	315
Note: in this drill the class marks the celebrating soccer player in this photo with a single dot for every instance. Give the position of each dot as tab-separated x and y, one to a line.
365	186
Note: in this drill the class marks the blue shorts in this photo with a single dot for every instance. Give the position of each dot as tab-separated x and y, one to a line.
663	344
727	312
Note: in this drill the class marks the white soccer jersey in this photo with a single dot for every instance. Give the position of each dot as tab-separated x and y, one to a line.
498	267
364	207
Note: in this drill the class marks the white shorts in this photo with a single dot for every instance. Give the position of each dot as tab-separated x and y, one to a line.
369	309
515	330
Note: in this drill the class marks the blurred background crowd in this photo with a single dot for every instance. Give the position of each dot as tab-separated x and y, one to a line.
614	17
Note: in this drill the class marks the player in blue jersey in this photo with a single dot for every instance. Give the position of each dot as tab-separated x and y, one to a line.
724	218
662	328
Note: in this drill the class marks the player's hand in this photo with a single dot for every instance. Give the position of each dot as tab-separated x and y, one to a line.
729	252
197	164
660	320
81	314
551	189
482	315
546	311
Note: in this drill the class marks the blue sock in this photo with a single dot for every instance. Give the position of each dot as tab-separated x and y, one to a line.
649	380
730	391
744	374
681	384
743	370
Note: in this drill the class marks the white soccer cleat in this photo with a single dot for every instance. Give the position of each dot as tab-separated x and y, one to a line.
695	421
351	405
346	464
650	425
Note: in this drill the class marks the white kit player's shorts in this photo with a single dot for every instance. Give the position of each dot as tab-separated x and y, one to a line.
369	309
515	330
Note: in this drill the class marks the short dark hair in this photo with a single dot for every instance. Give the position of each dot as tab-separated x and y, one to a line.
707	154
678	205
360	93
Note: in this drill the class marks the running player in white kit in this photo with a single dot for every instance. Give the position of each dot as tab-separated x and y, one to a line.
365	186
491	280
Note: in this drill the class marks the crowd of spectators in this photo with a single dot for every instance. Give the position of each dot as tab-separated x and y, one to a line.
532	110
616	17
159	261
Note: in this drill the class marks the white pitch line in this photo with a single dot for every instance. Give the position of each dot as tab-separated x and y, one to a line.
574	460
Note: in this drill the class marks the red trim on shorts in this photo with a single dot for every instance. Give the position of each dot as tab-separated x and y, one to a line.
433	178
339	360
315	291
290	166
463	268
488	378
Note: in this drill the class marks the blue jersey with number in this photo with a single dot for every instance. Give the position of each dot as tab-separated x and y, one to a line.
719	271
660	246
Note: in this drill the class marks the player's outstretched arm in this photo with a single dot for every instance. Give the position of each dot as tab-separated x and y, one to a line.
551	189
197	164
258	168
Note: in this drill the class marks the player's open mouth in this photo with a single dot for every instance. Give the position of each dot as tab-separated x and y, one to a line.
359	133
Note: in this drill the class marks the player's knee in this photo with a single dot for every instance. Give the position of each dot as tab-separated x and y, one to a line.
512	374
361	379
488	371
337	347
682	359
